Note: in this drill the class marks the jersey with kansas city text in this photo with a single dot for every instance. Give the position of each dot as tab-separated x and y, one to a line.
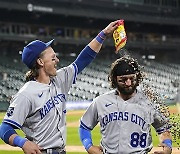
125	125
39	109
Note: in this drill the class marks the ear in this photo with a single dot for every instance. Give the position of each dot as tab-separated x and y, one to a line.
40	62
115	79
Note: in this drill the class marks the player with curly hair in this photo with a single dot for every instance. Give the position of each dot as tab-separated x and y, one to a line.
125	115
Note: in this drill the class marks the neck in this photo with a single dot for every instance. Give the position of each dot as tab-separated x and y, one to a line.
43	78
45	81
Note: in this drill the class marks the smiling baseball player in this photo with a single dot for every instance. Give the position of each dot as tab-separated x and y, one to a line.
125	115
39	107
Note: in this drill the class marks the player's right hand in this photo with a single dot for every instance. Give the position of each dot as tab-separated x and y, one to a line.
31	148
95	150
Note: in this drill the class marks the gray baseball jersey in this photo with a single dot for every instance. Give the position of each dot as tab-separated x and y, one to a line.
124	125
39	109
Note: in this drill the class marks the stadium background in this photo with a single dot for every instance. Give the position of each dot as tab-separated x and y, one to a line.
152	27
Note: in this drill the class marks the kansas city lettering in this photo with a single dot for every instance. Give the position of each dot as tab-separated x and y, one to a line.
51	104
138	120
123	116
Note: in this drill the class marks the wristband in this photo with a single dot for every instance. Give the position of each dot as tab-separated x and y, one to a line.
19	141
101	37
168	143
87	143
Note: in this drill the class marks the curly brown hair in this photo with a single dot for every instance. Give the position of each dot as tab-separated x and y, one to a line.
132	63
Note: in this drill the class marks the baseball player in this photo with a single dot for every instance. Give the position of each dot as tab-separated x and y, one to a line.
125	115
39	107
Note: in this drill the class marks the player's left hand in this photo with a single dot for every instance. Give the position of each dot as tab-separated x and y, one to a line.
165	150
111	27
95	150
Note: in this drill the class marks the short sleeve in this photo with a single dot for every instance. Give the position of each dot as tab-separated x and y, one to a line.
90	118
18	110
66	76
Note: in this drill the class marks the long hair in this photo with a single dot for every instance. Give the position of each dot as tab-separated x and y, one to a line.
131	62
33	73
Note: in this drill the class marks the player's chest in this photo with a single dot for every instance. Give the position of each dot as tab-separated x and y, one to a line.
47	103
124	107
49	97
124	113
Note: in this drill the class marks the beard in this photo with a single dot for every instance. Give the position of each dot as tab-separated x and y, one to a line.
126	90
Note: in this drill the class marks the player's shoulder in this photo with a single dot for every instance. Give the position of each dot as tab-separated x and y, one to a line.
143	99
106	95
26	86
140	93
141	96
30	86
65	71
66	68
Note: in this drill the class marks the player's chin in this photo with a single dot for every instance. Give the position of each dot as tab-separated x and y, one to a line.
128	91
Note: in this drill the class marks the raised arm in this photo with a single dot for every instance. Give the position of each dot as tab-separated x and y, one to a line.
90	51
97	42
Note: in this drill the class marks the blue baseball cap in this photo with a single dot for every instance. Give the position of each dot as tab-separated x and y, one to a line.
32	51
